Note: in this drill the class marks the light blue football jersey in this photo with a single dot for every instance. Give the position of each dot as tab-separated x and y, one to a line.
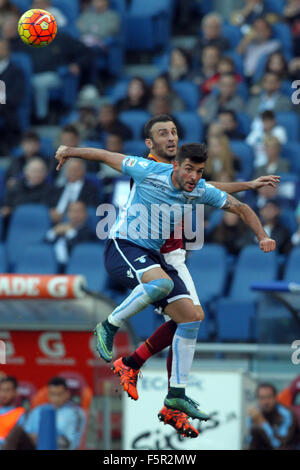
154	206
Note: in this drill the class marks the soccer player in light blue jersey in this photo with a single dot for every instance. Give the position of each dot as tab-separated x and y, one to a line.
132	253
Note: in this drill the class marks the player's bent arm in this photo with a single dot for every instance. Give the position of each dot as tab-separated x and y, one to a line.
266	244
114	160
237	186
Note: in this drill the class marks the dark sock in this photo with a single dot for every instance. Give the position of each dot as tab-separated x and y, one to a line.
110	327
129	362
176	392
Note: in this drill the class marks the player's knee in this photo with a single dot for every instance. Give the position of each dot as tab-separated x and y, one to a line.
201	312
195	314
159	289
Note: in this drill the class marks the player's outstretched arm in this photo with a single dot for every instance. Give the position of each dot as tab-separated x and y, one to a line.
236	187
114	160
266	244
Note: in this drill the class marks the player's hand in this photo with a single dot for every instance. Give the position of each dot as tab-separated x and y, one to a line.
267	245
62	156
270	180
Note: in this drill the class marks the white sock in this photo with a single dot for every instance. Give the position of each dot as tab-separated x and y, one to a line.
183	348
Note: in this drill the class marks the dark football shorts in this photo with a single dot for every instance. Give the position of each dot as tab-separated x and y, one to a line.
126	262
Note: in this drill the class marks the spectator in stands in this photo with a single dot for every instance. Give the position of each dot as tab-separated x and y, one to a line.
221	159
11	97
268	127
257	43
226	65
277	64
10	413
275	165
230	125
6	9
30	147
65	51
161	87
46	5
270	217
109	123
290	395
67	234
113	143
211	29
270	98
70	137
86	121
99	24
75	188
231	233
253	9
271	426
209	58
163	105
32	188
137	96
227	98
292	16
296	236
179	65
70	420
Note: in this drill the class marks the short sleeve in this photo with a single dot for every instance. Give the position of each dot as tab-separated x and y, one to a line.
214	197
138	168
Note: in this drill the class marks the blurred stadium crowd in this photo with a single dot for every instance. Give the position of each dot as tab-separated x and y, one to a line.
229	81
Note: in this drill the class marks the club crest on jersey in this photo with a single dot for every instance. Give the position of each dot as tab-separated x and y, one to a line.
130	162
130	273
141	259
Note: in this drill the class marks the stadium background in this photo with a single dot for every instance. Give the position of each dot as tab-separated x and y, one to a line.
238	320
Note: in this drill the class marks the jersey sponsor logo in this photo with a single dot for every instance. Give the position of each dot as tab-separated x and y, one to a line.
130	162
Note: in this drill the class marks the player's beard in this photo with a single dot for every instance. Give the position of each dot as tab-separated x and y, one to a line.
162	153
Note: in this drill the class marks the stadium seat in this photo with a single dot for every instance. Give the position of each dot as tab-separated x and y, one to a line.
252	265
277	6
136	147
189	93
37	259
87	259
235	320
289	189
232	33
238	60
291	151
214	219
23	5
148	24
208	270
282	32
28	225
136	121
244	153
23	62
119	90
290	121
2	187
244	122
292	272
70	8
289	219
3	262
192	125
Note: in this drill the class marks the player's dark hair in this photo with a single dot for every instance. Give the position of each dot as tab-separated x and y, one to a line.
154	120
228	111
196	153
11	379
266	385
58	382
30	135
71	129
268	114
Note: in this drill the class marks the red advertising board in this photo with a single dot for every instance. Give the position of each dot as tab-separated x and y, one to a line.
36	356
